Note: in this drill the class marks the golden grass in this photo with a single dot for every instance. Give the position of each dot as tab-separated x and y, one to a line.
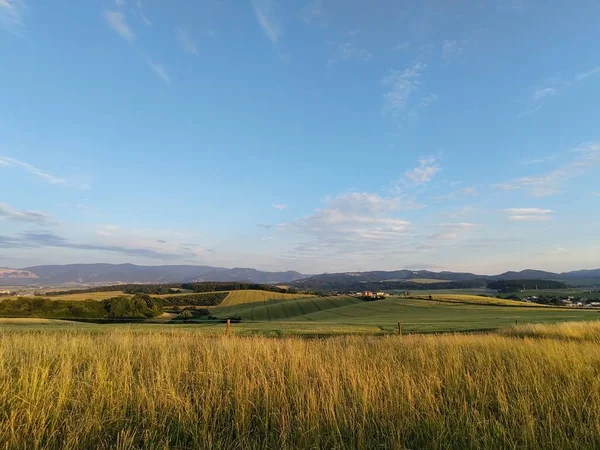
254	296
477	299
179	389
578	331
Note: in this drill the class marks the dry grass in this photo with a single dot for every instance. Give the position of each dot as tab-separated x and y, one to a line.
179	389
478	299
577	331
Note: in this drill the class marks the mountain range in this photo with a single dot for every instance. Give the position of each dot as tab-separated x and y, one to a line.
81	274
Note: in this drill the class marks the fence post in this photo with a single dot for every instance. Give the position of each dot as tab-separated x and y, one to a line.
228	329
399	328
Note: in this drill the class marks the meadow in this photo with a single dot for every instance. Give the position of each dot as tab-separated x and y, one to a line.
131	388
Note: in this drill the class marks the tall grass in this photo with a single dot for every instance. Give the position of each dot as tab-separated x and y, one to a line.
179	389
578	331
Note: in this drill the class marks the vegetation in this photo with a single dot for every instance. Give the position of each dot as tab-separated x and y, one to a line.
478	300
518	285
207	299
131	389
122	307
577	331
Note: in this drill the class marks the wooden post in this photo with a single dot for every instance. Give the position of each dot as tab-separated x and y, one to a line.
399	328
228	329
516	321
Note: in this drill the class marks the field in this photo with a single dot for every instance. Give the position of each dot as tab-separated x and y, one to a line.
133	389
478	300
257	297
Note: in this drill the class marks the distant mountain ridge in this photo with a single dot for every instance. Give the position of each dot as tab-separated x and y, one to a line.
130	273
343	279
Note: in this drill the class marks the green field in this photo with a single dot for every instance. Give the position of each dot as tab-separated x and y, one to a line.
272	313
318	314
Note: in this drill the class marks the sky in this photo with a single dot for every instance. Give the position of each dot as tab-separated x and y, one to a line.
312	135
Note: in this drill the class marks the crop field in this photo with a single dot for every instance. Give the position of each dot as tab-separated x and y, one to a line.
415	315
258	297
158	388
479	300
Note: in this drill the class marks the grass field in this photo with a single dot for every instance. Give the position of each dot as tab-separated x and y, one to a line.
177	389
317	314
478	300
255	296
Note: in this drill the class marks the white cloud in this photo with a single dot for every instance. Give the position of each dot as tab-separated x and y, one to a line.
11	15
452	49
186	41
350	222
541	93
279	206
424	172
452	231
528	214
401	47
586	156
346	51
159	70
23	216
401	86
116	20
590	73
6	161
460	193
265	14
312	12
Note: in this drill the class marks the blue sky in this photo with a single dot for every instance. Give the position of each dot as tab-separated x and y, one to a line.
321	135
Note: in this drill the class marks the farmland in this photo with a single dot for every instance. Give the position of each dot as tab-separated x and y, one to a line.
146	388
273	313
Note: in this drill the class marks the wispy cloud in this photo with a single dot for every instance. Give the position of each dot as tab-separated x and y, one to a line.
279	206
585	157
551	87
186	41
6	161
528	214
452	49
458	194
312	12
264	10
116	20
424	172
452	231
351	220
35	217
590	73
401	47
159	70
541	93
347	51
402	87
11	15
